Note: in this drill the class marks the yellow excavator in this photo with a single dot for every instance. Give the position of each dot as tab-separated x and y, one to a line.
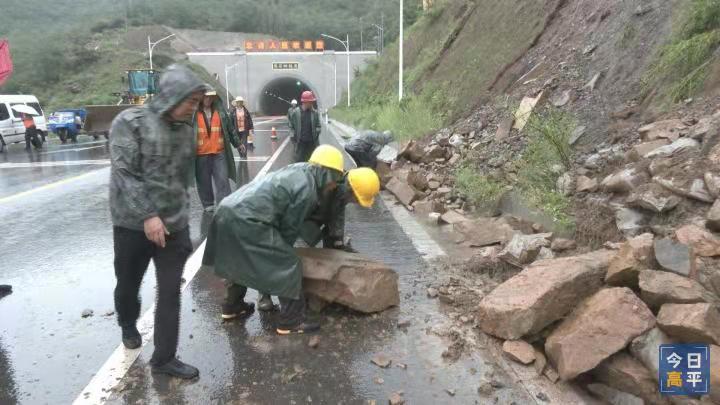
142	85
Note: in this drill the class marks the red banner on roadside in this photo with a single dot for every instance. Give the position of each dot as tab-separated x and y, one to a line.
6	66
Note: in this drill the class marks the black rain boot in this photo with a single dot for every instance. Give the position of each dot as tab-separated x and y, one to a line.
131	337
177	368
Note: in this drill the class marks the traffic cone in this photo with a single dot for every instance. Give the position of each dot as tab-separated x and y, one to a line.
273	133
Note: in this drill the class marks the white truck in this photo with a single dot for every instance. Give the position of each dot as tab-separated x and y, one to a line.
12	129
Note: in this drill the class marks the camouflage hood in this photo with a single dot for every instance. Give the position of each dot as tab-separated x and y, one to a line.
176	84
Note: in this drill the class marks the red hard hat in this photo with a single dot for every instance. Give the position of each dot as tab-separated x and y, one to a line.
307	97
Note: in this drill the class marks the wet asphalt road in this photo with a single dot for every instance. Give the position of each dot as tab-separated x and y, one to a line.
57	253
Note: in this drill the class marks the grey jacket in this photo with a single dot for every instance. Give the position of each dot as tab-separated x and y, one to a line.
295	123
369	142
152	157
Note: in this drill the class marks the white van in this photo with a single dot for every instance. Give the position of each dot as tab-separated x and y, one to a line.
12	129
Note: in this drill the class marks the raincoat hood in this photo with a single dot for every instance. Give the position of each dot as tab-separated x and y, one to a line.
176	84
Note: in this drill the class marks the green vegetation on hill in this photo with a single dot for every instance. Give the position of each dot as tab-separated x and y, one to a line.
452	55
73	52
683	65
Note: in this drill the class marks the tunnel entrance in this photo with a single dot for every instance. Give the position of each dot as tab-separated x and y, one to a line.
276	96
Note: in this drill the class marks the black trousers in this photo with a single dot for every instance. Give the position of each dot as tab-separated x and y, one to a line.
303	150
133	252
292	312
363	159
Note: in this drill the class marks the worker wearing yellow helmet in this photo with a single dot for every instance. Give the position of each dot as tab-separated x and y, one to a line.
250	241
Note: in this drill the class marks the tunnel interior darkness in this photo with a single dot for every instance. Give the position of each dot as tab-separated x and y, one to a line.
276	96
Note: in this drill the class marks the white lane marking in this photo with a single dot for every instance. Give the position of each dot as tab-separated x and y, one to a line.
250	159
21	165
49	186
272	120
118	364
272	160
71	150
423	242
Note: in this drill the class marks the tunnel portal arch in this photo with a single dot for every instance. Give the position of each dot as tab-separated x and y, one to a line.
274	96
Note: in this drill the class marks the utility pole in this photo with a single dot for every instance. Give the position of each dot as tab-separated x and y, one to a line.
400	56
361	34
151	46
382	32
346	44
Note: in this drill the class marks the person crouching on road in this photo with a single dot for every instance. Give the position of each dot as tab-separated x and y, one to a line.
151	154
251	239
214	162
366	146
327	222
305	126
244	126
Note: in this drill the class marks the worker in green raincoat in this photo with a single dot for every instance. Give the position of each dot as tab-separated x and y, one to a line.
251	239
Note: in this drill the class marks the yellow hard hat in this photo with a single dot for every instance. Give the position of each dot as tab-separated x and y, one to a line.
328	156
365	184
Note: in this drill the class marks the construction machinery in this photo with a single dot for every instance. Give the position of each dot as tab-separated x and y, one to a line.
141	85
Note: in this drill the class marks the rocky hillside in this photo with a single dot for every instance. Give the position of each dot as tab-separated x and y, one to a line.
582	182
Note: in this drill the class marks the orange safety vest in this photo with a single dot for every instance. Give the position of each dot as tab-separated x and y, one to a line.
240	118
209	138
28	121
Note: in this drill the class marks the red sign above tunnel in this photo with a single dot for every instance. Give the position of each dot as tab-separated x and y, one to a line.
285	45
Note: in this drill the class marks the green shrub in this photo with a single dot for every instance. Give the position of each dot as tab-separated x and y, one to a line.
476	187
414	117
681	66
546	156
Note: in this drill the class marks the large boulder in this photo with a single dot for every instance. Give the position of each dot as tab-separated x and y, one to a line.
424	208
629	221
625	180
584	184
404	192
523	249
634	255
613	396
668	129
418	179
541	294
623	372
676	257
646	348
412	151
654	198
713	217
485	231
674	148
702	242
640	150
691	323
599	327
349	279
691	188
661	287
